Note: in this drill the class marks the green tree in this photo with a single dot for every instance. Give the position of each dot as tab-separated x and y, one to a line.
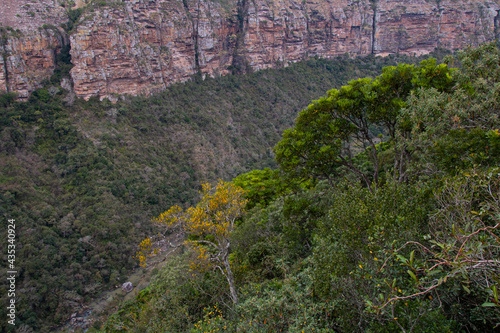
329	133
456	262
261	186
326	133
448	130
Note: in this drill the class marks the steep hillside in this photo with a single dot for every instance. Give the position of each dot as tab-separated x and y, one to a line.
395	236
83	179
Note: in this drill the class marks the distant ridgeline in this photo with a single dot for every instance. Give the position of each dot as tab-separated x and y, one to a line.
141	47
83	179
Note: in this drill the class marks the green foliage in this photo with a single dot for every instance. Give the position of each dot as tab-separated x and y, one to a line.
286	306
361	222
7	99
261	186
331	131
454	264
83	179
453	130
175	299
269	240
462	149
413	256
73	16
257	247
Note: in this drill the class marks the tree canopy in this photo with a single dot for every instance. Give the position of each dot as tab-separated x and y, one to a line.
329	133
398	227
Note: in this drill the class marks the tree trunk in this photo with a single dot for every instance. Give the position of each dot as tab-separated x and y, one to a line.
230	278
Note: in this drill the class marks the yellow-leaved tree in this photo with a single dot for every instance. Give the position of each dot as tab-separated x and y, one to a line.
211	222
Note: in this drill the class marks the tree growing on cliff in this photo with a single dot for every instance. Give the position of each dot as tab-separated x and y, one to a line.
209	225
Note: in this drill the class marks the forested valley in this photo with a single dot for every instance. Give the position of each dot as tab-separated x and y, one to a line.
374	209
83	179
383	215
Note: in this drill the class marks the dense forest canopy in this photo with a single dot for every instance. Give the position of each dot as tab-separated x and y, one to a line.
383	215
84	179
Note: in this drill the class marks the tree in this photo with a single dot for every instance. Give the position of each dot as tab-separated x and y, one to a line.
326	133
209	226
329	133
447	130
261	186
456	266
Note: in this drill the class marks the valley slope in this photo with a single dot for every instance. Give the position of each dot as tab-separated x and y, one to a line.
82	179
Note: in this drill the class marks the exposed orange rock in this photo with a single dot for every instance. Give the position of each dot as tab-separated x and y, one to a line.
27	60
141	46
27	49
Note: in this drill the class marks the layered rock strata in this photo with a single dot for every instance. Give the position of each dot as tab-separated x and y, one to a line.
28	60
141	46
30	38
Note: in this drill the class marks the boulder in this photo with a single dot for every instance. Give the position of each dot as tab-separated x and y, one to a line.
127	287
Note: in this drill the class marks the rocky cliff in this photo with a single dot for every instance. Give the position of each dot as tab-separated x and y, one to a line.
28	60
30	38
142	46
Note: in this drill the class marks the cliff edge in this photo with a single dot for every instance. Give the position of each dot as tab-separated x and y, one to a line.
141	46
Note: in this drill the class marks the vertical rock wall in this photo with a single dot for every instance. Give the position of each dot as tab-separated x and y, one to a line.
26	61
27	49
141	46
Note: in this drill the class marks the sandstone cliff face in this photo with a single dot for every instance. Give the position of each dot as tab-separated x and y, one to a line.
27	51
27	60
417	27
142	46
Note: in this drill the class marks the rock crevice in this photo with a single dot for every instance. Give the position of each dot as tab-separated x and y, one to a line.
374	25
497	25
4	78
